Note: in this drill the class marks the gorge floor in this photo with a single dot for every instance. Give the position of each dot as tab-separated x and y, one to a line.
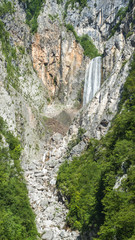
41	176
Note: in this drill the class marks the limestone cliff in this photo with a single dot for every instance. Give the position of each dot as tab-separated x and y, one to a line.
59	62
118	49
46	76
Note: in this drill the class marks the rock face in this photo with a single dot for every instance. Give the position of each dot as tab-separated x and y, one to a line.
96	20
57	57
23	97
58	63
50	68
97	115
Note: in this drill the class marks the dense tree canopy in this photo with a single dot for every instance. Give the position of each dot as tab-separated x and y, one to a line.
17	221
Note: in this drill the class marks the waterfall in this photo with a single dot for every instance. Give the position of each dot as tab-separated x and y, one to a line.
92	79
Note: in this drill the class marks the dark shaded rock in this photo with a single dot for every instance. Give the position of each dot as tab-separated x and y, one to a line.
133	41
104	123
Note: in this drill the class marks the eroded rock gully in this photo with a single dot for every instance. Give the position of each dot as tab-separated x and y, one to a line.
41	182
61	66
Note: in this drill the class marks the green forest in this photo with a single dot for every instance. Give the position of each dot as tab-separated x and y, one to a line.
17	221
87	182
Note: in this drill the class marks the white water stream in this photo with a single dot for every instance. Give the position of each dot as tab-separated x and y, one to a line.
92	79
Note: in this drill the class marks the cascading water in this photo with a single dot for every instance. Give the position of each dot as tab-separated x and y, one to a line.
92	79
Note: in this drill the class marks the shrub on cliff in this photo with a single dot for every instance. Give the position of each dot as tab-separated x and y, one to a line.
89	48
33	8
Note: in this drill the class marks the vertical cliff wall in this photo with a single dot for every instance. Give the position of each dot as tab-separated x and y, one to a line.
45	76
57	57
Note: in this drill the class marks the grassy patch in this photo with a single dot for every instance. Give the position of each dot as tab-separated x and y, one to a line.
53	17
89	48
129	34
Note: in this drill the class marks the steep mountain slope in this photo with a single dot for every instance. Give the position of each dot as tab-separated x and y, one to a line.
43	59
98	186
17	218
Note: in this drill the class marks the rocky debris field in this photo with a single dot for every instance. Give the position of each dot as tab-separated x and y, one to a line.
41	183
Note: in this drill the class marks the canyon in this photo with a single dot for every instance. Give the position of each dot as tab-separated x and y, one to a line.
47	98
